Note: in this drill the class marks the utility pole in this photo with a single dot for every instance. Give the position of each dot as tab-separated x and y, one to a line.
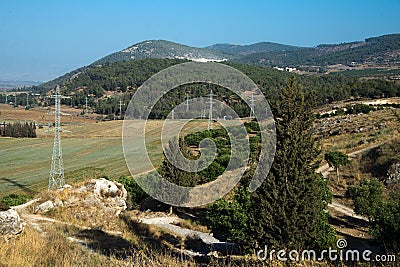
15	100
187	102
86	107
252	107
210	102
56	179
120	108
6	97
27	99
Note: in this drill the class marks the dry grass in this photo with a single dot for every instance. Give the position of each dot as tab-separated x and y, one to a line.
41	115
54	249
192	225
350	142
33	249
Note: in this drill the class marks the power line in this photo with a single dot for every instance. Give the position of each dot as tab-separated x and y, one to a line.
252	107
120	108
187	102
86	106
56	179
210	112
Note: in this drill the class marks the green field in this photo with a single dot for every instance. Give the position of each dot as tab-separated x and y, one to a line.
90	150
25	163
374	72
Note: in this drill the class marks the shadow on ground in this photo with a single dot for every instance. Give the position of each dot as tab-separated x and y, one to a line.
23	187
107	244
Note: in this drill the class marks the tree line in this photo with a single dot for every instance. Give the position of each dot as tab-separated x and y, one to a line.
18	129
123	79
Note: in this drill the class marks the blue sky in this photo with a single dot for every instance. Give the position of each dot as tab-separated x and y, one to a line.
40	40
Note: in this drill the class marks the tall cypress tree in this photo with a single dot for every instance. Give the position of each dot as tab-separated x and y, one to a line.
287	211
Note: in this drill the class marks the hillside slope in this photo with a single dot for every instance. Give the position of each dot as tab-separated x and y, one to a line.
239	50
377	51
164	49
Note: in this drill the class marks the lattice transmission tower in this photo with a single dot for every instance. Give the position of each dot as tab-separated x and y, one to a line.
210	111
252	115
56	179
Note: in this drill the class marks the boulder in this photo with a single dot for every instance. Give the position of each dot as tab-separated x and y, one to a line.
105	188
105	195
44	207
10	223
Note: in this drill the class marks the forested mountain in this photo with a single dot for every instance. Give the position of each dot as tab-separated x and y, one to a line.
379	51
107	84
146	49
163	49
238	50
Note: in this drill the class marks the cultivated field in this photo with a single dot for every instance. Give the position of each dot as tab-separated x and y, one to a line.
91	149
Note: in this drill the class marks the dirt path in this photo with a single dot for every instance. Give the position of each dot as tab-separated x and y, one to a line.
214	244
168	224
348	224
36	220
325	170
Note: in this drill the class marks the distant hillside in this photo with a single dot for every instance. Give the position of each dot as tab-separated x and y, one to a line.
374	52
146	49
253	48
377	51
10	85
164	49
110	83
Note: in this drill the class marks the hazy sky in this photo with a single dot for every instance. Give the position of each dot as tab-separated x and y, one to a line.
40	40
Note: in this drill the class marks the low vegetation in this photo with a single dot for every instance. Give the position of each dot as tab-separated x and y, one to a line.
14	199
17	129
382	207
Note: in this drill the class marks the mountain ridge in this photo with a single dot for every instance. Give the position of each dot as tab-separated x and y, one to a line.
252	48
163	49
381	51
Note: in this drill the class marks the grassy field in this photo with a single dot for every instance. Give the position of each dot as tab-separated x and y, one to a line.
375	72
90	149
25	163
94	149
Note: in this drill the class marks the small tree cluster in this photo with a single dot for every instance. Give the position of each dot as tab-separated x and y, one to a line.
383	213
18	129
336	159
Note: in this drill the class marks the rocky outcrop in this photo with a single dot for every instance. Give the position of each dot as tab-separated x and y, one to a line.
44	207
97	196
105	194
10	223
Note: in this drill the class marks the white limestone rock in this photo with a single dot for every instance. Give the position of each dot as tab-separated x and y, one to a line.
10	223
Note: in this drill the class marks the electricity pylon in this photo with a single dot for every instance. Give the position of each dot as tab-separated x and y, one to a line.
210	116
187	103
56	179
252	107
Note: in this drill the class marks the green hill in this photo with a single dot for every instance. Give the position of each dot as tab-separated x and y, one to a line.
164	49
380	51
238	50
109	83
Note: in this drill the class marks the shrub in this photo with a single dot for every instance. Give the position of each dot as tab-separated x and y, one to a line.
14	200
134	190
3	207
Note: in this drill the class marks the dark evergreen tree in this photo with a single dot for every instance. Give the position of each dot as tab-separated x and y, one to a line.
288	210
17	129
